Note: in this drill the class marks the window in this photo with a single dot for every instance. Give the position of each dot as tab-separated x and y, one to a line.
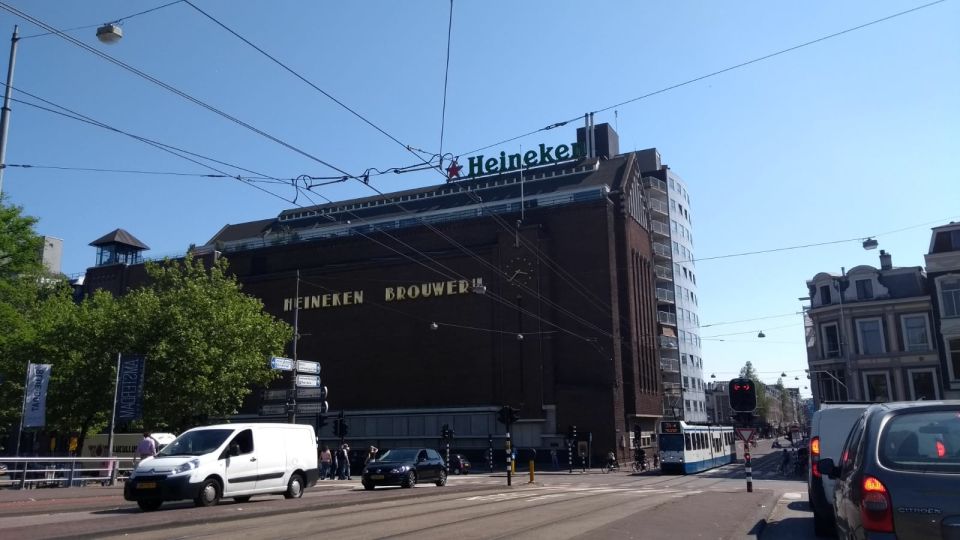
871	336
683	359
830	335
864	289
876	386
950	297
922	441
244	440
923	384
686	404
915	334
824	294
686	383
953	355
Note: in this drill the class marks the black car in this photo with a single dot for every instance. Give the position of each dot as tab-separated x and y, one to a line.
405	467
459	464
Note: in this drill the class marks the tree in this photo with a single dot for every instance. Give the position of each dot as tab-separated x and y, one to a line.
748	372
206	342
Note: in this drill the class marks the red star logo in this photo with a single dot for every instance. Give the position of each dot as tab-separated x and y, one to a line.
453	171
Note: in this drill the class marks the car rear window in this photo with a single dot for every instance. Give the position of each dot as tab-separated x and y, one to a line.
922	441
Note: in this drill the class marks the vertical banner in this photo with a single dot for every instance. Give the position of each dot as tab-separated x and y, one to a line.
130	388
35	395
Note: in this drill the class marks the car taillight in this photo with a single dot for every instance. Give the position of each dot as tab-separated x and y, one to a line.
941	450
876	509
815	456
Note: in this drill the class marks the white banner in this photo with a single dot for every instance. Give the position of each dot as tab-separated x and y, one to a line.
35	395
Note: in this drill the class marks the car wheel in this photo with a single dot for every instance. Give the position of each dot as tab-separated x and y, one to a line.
149	505
242	499
209	494
410	480
368	486
294	487
442	479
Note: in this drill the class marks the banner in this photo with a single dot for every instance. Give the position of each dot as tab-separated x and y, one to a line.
130	388
35	395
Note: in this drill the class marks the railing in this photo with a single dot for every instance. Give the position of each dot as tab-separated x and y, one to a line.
663	272
30	472
655	184
659	228
662	250
670	365
669	342
659	206
667	318
666	295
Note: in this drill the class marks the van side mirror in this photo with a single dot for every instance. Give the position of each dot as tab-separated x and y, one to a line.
828	468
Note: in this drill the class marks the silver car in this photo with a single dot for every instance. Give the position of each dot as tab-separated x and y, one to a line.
899	473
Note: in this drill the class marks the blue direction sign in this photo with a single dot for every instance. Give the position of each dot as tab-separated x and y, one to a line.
305	366
308	381
281	363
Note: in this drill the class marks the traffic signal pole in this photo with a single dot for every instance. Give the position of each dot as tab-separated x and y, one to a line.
509	458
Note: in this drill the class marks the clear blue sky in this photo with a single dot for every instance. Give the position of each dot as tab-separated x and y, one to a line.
851	137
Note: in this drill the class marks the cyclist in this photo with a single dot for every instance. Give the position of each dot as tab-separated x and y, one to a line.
784	461
611	460
642	459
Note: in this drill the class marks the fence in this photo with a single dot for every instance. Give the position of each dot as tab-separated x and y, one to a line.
31	472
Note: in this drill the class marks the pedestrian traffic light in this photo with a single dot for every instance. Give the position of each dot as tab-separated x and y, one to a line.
344	428
743	395
514	415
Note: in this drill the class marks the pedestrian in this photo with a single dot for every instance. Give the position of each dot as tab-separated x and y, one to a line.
784	461
553	458
343	457
147	448
326	461
371	455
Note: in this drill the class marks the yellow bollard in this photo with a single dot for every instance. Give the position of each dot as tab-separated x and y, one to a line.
531	471
513	466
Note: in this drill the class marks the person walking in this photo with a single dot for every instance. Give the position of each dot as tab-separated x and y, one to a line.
344	458
784	461
326	461
147	448
553	458
371	455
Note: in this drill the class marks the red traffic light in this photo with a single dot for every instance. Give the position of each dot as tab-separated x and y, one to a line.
746	387
736	387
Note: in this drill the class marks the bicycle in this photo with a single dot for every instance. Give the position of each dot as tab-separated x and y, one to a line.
641	466
610	466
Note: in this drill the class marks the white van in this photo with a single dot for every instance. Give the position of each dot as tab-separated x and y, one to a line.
227	460
829	428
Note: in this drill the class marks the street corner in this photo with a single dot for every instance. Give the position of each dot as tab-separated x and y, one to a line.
791	518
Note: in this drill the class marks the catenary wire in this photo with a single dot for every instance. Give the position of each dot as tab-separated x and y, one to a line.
749	331
125	171
118	21
715	73
446	76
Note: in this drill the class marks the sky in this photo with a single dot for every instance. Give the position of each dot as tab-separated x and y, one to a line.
851	137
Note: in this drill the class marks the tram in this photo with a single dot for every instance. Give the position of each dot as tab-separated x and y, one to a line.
688	449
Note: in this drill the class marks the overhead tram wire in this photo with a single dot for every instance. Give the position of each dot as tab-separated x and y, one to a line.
168	87
749	331
117	21
446	76
715	73
125	171
750	320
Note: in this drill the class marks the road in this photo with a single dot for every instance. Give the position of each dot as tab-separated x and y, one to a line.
558	505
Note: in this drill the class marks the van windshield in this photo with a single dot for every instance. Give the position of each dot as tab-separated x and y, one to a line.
923	441
196	443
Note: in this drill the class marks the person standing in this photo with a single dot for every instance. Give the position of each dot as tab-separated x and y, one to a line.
343	462
326	460
147	448
371	455
553	458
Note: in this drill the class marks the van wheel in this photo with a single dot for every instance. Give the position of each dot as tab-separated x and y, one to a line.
149	505
242	499
294	488
410	480
209	494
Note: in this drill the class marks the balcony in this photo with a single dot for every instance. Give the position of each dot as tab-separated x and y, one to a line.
667	318
660	228
672	366
669	342
659	207
655	185
666	295
661	250
663	272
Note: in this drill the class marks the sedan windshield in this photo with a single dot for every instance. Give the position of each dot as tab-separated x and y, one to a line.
400	454
196	443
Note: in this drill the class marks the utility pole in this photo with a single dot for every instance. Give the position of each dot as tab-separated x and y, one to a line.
292	402
5	112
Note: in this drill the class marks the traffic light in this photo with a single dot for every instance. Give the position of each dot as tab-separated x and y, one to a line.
637	435
344	428
743	395
336	427
514	415
446	432
572	432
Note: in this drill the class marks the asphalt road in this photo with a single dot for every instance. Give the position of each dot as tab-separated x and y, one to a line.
713	504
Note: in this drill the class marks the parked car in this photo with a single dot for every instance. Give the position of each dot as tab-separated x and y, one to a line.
899	473
829	428
459	464
228	460
405	467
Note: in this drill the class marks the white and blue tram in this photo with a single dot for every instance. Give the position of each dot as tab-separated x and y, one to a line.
687	449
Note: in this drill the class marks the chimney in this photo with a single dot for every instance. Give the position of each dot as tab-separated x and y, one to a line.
886	260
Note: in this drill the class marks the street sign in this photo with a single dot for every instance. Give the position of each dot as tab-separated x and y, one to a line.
281	363
312	407
314	393
308	381
273	410
745	434
275	395
305	366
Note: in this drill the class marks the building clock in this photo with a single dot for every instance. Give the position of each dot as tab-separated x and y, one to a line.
519	270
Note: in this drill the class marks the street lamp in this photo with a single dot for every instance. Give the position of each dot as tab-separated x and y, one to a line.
109	33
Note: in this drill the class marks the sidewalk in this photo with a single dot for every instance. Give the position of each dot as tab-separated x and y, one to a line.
791	519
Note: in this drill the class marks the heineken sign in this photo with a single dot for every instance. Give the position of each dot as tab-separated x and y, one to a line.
481	165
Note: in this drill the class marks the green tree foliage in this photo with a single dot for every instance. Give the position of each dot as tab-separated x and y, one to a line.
206	342
748	372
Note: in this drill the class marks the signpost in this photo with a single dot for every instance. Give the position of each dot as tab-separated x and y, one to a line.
745	434
273	410
308	381
305	366
281	364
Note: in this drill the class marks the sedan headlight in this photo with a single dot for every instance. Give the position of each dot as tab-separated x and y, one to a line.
399	470
190	465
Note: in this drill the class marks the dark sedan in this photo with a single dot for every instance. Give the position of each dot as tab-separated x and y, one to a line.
459	464
405	467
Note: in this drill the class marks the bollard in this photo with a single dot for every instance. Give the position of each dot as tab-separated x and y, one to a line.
531	472
749	469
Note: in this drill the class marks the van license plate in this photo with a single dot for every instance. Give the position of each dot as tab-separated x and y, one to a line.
147	485
376	477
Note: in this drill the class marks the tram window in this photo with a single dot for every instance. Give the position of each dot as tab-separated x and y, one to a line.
686	440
